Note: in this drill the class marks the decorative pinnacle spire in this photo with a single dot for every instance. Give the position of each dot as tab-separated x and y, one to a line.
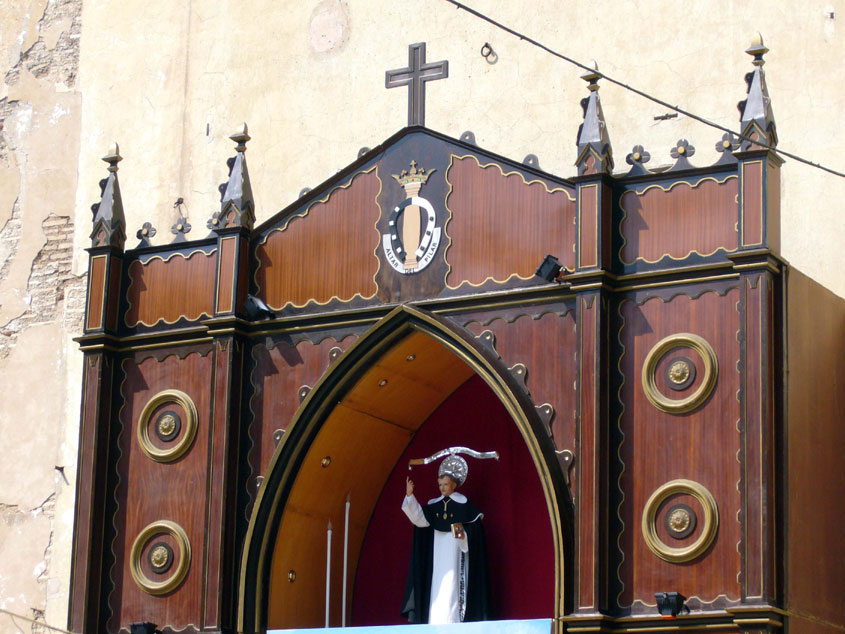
595	156
113	157
241	136
592	77
757	50
109	222
757	121
236	204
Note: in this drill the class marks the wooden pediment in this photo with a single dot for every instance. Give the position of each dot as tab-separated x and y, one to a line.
484	221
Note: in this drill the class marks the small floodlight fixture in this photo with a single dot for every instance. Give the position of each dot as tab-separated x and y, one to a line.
551	269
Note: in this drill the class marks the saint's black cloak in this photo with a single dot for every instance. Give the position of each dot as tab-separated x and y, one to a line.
415	604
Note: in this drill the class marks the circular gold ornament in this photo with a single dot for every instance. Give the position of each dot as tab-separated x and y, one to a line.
663	347
190	429
679	520
160	558
708	531
679	372
161	527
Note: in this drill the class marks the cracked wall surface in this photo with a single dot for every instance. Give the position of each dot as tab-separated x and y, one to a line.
171	80
41	305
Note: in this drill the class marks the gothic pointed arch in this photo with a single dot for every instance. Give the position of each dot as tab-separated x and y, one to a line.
336	383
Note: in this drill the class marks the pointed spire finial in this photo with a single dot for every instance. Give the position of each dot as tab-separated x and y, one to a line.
236	203
757	50
592	77
595	155
109	222
241	136
113	157
757	122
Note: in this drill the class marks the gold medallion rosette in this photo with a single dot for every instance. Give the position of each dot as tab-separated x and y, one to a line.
680	373
174	427
680	521
164	547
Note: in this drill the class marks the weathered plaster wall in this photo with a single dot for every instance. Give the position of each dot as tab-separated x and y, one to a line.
41	304
170	80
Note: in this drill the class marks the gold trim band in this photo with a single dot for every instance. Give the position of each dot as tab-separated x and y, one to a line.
666	345
158	588
710	523
184	443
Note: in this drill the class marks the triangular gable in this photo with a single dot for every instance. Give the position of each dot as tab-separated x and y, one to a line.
484	221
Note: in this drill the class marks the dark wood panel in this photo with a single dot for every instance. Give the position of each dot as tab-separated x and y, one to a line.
752	202
816	436
278	375
96	291
679	220
168	290
326	251
502	225
115	273
701	446
587	496
84	600
226	274
588	225
547	346
149	491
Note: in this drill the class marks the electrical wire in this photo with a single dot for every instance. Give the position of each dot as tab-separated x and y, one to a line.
636	91
41	623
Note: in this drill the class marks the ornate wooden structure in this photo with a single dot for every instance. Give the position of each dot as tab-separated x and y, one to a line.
238	387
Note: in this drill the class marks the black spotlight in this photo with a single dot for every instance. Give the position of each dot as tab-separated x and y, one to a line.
550	270
143	628
257	309
670	603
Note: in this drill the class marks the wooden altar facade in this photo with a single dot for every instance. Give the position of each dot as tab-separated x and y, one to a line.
238	387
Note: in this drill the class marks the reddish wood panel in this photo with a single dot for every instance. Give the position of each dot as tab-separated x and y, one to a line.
815	549
758	418
96	291
226	274
588	224
679	220
180	287
502	225
547	347
279	373
326	251
701	446
149	491
752	203
87	549
588	497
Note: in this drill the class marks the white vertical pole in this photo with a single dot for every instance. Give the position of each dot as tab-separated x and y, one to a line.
328	569
345	561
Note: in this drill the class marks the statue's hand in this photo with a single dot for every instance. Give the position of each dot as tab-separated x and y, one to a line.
409	486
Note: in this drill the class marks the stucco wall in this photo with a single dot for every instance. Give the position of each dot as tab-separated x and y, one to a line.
41	304
170	80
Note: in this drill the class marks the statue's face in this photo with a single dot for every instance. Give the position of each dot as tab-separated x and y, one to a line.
446	485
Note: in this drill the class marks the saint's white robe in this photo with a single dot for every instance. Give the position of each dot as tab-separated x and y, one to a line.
444	606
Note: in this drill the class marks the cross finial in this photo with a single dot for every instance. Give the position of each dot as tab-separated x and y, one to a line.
414	77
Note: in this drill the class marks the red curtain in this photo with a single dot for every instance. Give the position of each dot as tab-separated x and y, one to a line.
520	548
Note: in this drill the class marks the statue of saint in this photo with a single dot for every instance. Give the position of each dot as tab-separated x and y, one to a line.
447	580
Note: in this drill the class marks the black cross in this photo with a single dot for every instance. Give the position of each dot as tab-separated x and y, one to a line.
414	77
